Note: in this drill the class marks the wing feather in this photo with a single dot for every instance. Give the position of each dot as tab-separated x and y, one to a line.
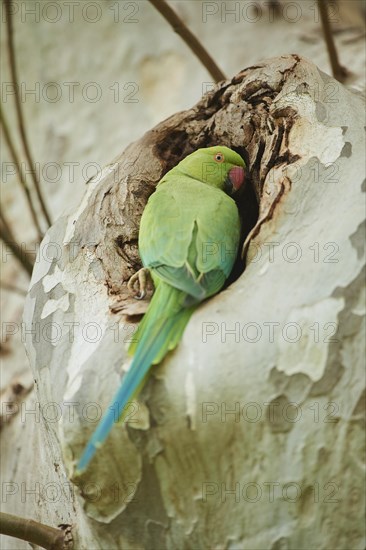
189	236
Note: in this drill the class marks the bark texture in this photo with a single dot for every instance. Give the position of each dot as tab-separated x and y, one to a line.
244	439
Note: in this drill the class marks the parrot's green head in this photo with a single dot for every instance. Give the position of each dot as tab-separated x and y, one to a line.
217	166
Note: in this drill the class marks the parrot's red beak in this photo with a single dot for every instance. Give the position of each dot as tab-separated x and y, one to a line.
236	176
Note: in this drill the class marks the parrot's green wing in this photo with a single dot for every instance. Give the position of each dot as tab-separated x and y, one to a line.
190	250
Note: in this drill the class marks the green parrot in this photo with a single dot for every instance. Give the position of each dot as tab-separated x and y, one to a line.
188	241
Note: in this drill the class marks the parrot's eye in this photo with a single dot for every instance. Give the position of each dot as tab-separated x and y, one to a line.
219	157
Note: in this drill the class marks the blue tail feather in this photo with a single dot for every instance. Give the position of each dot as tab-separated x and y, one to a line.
159	331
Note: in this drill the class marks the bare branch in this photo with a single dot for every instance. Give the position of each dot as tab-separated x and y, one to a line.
6	235
339	72
12	62
189	38
23	183
35	533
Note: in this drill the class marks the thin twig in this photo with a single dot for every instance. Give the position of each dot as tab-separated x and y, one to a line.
12	62
34	532
189	38
23	183
339	72
6	235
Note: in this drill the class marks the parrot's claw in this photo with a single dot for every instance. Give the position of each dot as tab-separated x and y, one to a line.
142	278
140	296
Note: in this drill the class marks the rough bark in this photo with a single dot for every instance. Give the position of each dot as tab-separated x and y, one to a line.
272	411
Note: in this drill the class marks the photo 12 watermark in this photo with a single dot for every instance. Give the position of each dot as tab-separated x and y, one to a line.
57	492
24	11
269	492
70	92
248	11
270	332
276	412
70	412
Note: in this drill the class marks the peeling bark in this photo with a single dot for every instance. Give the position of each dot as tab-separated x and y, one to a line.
291	452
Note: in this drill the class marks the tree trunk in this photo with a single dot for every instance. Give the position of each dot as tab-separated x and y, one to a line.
250	434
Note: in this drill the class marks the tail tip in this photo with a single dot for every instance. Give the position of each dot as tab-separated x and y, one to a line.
85	459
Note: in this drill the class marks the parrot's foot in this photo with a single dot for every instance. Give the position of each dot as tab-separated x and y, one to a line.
143	280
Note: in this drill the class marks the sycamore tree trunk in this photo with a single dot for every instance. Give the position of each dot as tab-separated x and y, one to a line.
250	434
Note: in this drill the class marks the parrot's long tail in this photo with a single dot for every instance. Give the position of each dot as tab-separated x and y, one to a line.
159	331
